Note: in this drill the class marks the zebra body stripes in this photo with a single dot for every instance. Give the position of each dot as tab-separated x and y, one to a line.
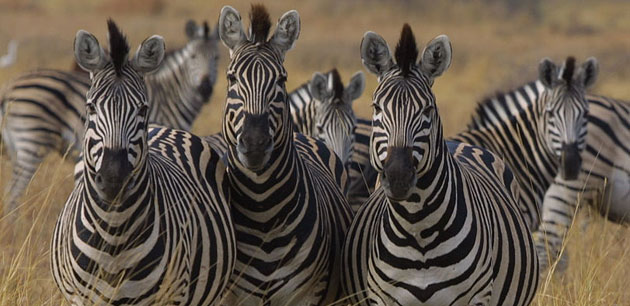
539	129
443	228
322	108
604	179
148	221
44	111
289	212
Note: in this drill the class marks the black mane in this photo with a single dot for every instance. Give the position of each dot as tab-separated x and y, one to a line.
406	51
118	46
260	23
569	68
337	85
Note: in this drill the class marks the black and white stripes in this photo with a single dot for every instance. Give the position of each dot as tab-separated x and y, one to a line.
148	222
289	212
444	227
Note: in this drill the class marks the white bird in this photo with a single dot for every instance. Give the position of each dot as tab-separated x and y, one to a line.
11	56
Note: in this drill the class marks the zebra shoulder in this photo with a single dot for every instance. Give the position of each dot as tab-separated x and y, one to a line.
317	154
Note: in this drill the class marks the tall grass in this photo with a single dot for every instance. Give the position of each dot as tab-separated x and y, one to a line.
491	52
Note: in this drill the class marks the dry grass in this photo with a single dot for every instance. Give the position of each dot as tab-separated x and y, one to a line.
491	52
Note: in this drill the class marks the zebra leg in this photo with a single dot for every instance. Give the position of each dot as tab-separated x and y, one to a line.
560	204
24	167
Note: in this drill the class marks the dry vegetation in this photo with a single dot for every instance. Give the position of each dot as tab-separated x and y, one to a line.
491	52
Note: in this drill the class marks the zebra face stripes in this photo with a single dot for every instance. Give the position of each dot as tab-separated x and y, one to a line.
115	138
257	119
565	111
202	57
334	120
405	128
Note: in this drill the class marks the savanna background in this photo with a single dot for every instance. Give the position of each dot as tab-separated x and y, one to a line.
497	45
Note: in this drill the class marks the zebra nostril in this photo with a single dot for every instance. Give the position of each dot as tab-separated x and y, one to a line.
98	179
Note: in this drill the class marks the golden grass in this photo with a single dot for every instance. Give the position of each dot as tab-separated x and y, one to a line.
491	52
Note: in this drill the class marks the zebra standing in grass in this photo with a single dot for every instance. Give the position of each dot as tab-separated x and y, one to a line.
43	111
322	108
289	213
539	129
148	222
604	179
444	227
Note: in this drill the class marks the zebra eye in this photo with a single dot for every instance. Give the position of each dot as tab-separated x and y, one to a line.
427	110
231	78
142	112
91	109
282	79
320	129
377	108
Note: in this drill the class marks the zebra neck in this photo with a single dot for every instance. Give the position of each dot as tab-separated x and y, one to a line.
302	109
434	204
171	90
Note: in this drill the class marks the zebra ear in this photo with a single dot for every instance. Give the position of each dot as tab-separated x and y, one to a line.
319	87
588	72
436	56
150	54
191	29
88	53
356	86
547	72
287	31
375	53
231	28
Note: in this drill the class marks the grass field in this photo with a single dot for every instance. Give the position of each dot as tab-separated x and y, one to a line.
492	51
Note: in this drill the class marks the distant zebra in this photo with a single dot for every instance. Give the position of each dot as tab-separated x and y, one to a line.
539	129
604	179
44	111
322	108
148	222
289	213
443	228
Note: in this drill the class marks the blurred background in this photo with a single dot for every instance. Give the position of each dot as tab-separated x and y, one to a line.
497	45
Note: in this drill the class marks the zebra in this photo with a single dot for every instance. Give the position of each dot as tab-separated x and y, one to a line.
539	129
289	212
322	108
43	111
148	222
604	179
443	227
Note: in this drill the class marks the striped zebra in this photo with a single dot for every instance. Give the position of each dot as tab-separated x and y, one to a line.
603	181
322	108
443	228
289	213
44	111
148	222
539	129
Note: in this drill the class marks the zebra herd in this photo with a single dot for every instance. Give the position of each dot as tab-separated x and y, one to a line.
297	201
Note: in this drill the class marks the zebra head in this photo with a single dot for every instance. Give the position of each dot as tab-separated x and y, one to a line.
407	133
201	58
257	117
115	143
334	120
566	110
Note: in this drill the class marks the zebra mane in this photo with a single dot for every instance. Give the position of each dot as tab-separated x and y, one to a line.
118	46
568	70
337	85
406	51
260	23
492	104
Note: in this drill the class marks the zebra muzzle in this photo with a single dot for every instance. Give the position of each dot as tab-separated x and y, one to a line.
112	179
255	144
399	174
571	161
